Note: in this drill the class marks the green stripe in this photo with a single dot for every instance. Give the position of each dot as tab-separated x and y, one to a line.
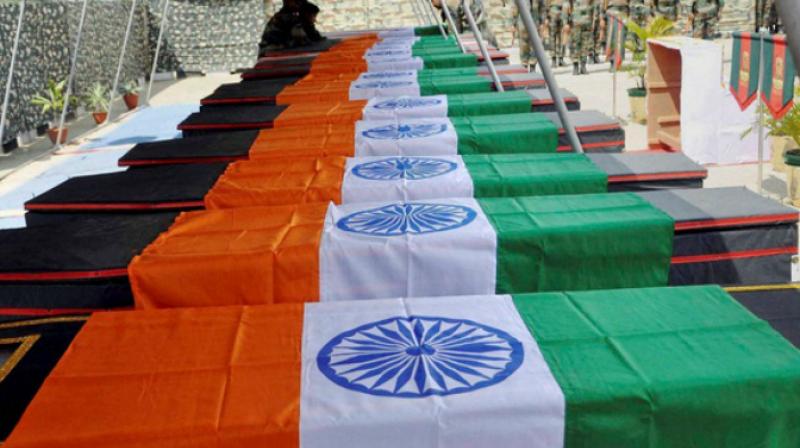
666	367
443	72
577	242
493	103
769	54
755	57
736	60
443	85
504	134
506	175
450	60
430	30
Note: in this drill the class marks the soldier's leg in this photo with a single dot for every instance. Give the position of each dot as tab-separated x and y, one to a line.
555	40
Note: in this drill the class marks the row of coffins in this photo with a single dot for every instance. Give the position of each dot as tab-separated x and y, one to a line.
490	218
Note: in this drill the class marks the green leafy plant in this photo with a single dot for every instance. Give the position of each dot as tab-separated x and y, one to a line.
97	98
130	87
655	28
52	100
787	126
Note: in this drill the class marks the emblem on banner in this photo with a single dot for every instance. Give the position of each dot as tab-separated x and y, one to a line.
407	218
411	168
383	84
419	356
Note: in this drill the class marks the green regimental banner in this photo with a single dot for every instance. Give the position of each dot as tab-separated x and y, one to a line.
777	87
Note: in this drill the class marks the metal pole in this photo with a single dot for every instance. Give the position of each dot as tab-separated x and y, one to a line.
760	112
425	11
121	60
436	17
162	26
789	11
552	85
486	56
452	25
14	48
420	16
71	75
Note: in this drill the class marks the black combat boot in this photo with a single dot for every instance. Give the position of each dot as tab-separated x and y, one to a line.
583	67
595	59
575	70
554	62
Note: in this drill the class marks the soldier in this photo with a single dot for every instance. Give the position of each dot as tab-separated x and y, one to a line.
557	25
581	35
481	19
526	54
641	11
598	29
767	16
667	9
620	7
704	17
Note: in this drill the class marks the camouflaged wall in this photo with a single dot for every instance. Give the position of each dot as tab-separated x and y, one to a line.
208	35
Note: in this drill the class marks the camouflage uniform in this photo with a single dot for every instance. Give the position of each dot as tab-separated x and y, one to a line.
641	10
667	9
526	54
558	16
581	34
767	16
621	7
481	19
705	17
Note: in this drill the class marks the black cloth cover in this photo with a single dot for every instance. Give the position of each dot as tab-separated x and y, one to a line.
222	146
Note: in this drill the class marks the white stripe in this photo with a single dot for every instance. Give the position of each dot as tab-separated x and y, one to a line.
393	52
405	33
525	409
417	137
372	179
376	250
395	64
409	75
364	90
405	107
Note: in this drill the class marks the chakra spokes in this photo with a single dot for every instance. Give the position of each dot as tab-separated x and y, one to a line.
420	356
407	218
405	131
411	168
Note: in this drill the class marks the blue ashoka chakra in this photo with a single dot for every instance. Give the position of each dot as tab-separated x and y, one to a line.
418	356
407	103
407	218
411	168
383	84
386	75
405	131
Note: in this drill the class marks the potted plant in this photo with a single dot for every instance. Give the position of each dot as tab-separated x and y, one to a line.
130	94
53	101
658	27
97	101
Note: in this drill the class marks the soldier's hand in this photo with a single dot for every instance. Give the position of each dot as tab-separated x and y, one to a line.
567	29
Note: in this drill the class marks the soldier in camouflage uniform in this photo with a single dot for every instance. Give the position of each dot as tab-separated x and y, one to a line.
526	54
641	11
581	36
481	19
556	22
767	16
667	9
704	18
598	30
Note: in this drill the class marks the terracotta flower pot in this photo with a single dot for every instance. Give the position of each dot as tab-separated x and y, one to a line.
99	117
53	134
131	100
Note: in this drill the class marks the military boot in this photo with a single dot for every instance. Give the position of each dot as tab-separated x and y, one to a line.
583	67
554	62
575	70
595	59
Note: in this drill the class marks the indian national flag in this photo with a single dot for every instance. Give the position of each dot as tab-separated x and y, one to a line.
485	134
649	367
414	248
369	179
